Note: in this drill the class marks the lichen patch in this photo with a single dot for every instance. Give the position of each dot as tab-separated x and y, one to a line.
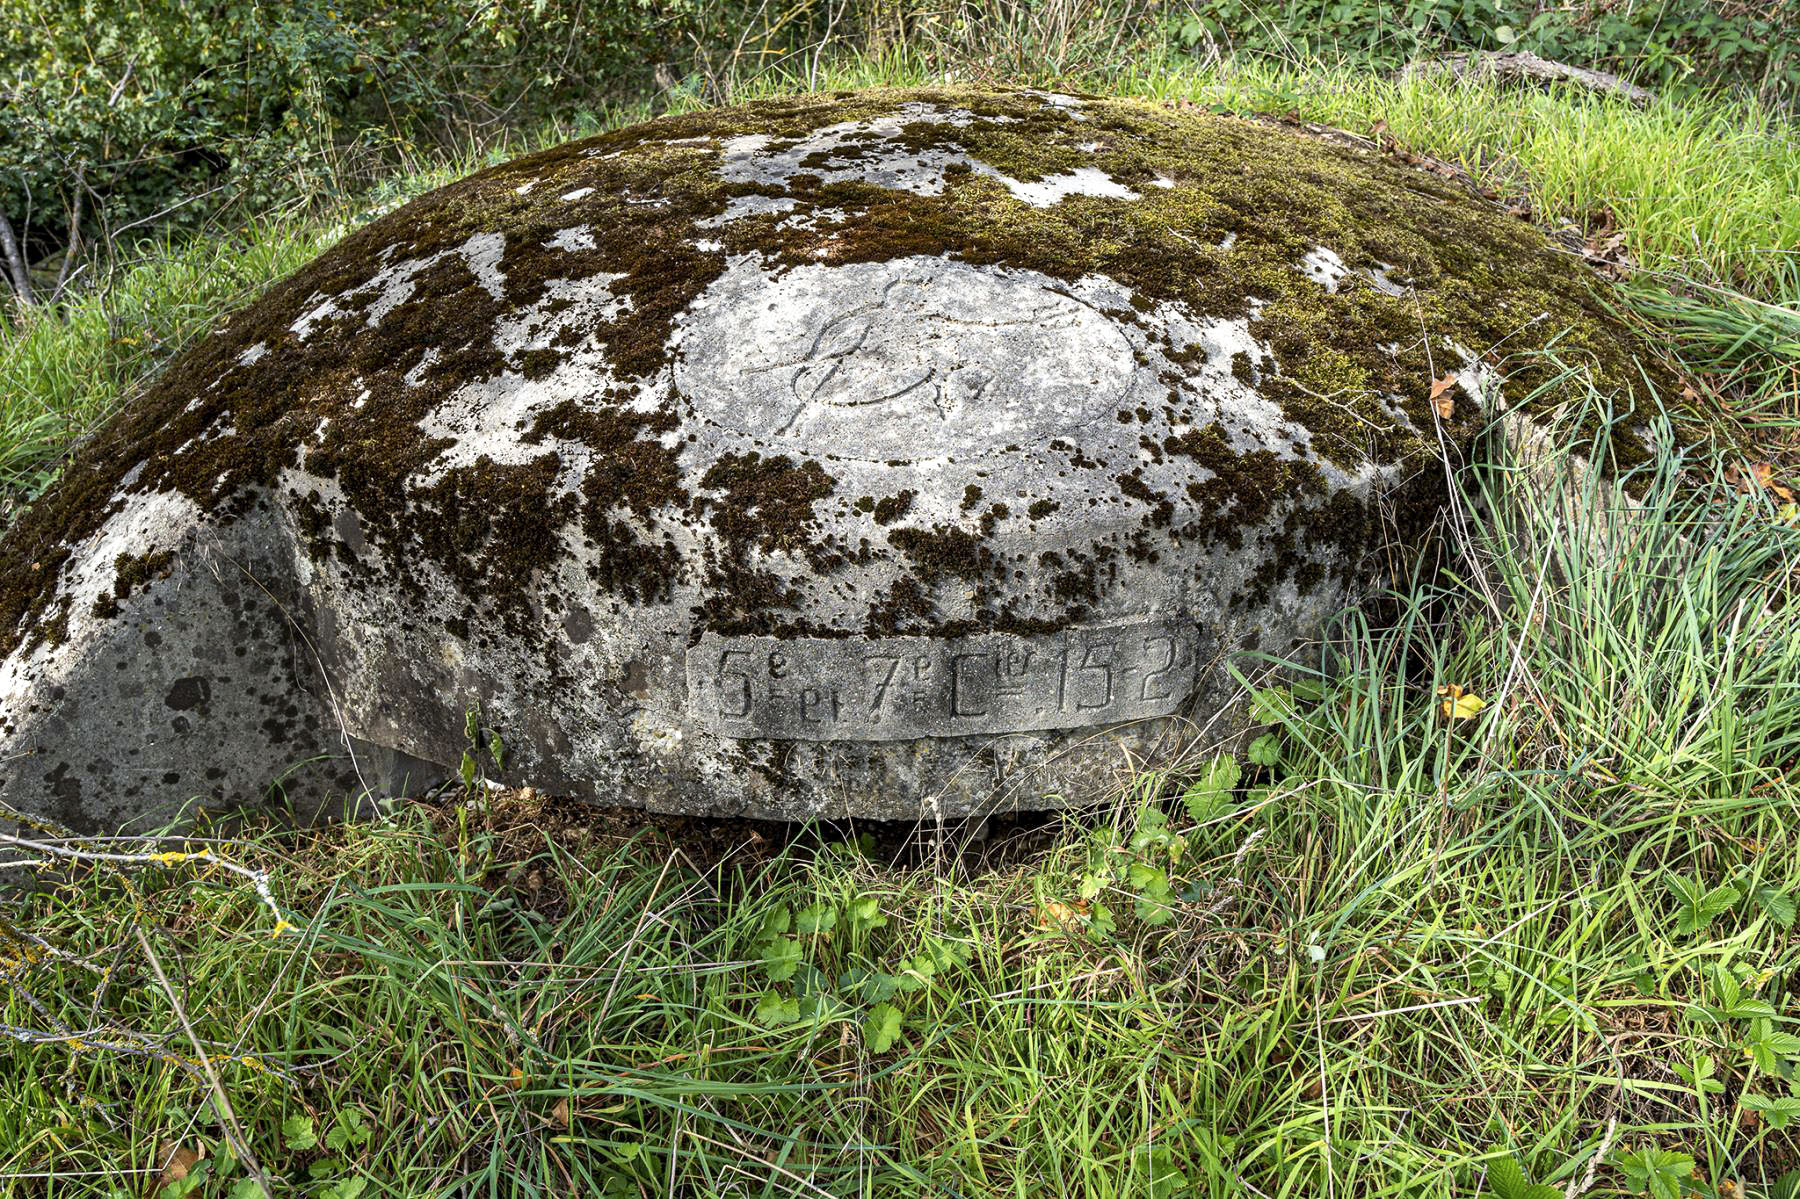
1053	189
899	151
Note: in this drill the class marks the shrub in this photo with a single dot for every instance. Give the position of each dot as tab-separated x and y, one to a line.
115	114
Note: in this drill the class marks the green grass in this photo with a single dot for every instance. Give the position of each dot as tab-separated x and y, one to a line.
62	373
1397	954
1403	950
1750	345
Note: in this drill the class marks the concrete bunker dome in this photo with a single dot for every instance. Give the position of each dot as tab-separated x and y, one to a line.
886	453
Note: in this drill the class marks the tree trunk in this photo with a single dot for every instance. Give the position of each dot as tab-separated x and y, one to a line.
14	256
62	276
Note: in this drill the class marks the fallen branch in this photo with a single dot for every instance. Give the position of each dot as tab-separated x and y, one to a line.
76	853
234	1131
1522	64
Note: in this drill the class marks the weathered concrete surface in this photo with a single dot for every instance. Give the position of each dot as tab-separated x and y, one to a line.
886	454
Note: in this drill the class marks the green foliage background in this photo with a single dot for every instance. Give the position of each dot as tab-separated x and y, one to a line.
167	112
147	104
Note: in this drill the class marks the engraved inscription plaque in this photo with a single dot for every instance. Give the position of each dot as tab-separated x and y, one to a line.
898	688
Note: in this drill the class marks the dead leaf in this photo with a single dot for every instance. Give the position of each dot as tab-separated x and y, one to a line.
177	1160
1605	251
1062	915
1458	704
1763	473
1752	477
1441	399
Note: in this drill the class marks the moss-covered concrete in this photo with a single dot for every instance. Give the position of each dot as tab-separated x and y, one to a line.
1342	284
1227	209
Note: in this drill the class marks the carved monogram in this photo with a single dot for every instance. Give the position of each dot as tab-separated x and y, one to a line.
905	359
903	345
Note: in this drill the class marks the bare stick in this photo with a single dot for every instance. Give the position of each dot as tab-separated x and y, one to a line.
257	878
232	1128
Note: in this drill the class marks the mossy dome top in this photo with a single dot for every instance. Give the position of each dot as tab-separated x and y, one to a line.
778	459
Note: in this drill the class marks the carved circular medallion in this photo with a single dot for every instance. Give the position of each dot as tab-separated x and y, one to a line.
898	361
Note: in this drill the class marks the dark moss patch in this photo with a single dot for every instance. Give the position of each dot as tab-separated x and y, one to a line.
904	608
1080	584
1162	509
943	551
130	572
1242	369
766	502
1244	488
893	507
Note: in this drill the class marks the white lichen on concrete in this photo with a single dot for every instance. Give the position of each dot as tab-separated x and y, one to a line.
873	151
1323	266
578	237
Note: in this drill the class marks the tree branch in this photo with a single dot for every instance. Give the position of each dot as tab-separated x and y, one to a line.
62	276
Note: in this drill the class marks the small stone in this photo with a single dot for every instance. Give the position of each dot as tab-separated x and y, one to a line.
889	455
